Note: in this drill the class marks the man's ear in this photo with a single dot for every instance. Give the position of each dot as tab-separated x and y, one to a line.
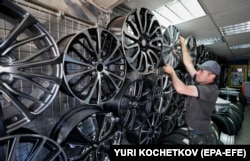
212	76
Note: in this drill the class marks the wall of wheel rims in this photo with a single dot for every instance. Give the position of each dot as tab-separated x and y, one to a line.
69	89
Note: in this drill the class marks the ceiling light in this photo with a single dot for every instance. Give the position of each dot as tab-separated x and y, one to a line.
236	29
209	41
241	46
178	11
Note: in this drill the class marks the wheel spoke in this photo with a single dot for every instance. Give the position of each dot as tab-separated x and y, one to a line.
87	133
94	65
30	67
172	49
26	22
35	146
141	39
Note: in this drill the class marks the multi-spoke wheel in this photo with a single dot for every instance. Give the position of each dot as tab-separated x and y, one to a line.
162	91
25	147
150	131
171	53
94	65
192	48
133	103
201	49
171	116
30	66
141	37
86	133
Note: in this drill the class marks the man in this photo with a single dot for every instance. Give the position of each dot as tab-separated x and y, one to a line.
201	97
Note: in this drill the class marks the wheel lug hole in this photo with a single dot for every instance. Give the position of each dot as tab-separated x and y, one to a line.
5	77
5	60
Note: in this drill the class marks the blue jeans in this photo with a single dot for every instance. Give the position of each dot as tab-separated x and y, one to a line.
200	138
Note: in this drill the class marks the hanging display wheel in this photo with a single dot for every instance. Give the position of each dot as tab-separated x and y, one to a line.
201	52
133	103
141	37
30	66
171	53
94	65
170	121
25	147
150	131
174	115
86	133
192	48
162	91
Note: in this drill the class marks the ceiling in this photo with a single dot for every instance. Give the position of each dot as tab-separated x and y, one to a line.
219	13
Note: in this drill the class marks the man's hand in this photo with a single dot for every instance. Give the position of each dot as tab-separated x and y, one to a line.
181	40
168	69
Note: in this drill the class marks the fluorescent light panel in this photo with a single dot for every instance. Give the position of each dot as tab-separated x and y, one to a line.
209	41
241	46
236	29
178	11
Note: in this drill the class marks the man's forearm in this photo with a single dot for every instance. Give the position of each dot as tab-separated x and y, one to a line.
177	83
187	60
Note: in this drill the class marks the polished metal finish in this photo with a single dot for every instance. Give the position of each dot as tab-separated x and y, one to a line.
141	37
25	147
30	66
94	65
86	133
171	53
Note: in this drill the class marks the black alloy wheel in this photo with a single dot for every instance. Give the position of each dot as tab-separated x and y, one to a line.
150	131
171	53
94	65
141	37
30	66
162	91
31	147
133	103
86	133
192	48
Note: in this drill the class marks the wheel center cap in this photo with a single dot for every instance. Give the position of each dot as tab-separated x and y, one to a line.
144	42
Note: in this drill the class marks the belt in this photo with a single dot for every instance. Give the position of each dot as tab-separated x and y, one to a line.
197	132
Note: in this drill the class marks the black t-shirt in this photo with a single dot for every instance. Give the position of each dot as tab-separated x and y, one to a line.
199	109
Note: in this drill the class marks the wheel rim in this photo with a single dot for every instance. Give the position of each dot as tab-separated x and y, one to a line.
171	46
150	131
162	93
171	115
89	134
133	103
37	147
192	48
31	70
201	49
94	65
141	38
